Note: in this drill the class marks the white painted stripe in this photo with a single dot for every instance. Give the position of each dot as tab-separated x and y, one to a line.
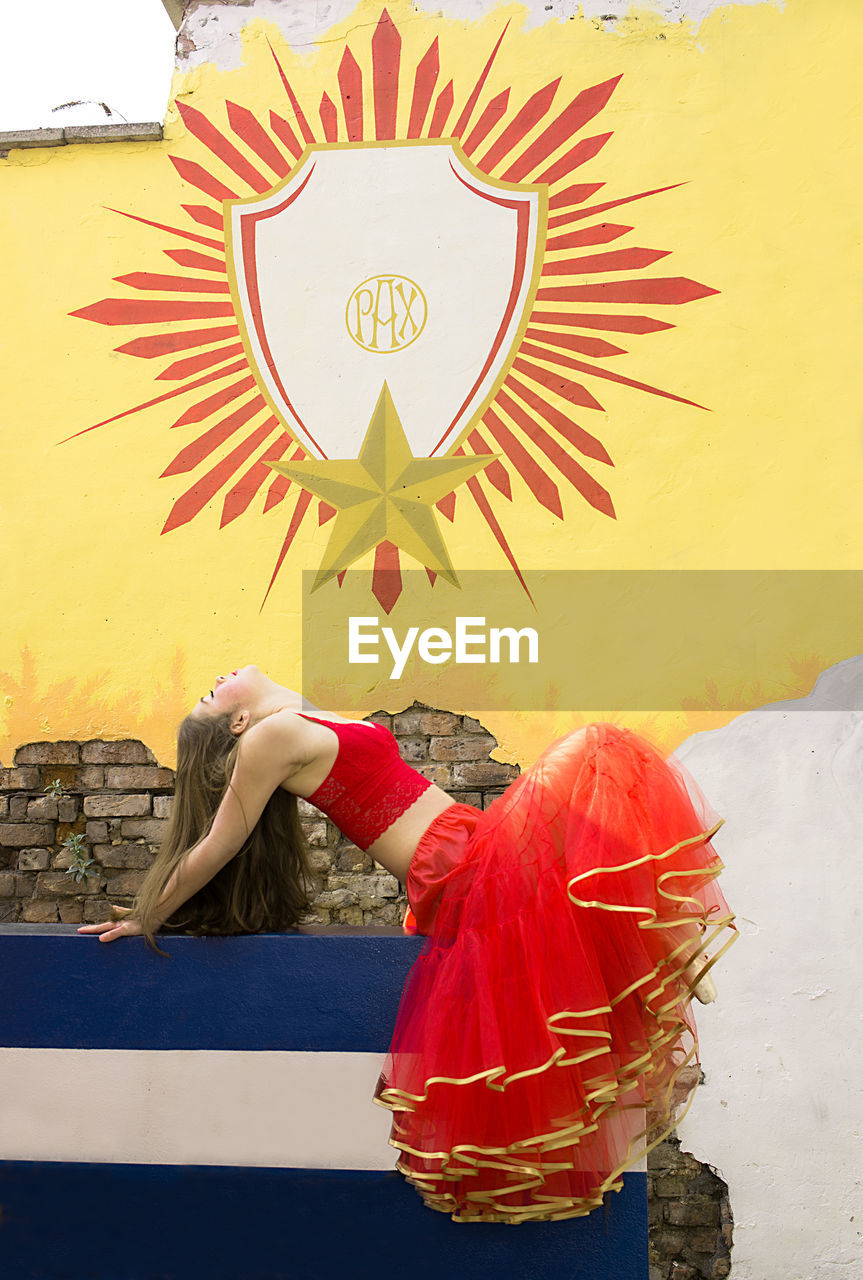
294	1110
183	1106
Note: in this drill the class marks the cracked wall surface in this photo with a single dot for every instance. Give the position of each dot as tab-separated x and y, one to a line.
211	29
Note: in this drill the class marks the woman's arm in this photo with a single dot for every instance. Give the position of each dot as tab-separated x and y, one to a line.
269	754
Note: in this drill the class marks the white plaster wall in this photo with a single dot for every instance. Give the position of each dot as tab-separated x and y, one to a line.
210	32
781	1113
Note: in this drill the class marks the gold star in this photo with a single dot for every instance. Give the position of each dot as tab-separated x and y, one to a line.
385	493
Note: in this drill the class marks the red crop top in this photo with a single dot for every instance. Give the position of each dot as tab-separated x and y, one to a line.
369	785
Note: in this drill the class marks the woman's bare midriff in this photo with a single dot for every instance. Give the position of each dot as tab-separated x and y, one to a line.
397	846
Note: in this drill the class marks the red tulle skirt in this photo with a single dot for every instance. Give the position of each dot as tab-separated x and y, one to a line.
544	1035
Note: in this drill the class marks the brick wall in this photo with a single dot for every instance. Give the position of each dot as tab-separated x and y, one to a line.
116	797
113	795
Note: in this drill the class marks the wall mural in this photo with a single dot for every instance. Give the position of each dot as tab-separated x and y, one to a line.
413	315
405	297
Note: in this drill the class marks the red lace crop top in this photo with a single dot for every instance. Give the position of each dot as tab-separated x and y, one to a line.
369	785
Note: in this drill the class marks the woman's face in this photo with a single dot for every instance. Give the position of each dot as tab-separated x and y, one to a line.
237	691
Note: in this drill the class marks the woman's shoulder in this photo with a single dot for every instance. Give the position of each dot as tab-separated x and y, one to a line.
282	732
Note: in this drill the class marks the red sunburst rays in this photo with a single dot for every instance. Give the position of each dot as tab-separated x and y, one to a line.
589	287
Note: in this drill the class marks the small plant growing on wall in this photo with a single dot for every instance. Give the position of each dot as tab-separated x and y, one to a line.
81	866
55	789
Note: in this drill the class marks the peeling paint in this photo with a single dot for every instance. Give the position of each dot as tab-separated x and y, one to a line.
211	28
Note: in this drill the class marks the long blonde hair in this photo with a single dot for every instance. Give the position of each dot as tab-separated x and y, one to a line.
265	887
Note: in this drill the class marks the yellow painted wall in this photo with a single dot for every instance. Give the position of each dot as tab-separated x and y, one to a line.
110	629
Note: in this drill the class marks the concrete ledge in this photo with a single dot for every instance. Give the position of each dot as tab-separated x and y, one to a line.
12	139
32	138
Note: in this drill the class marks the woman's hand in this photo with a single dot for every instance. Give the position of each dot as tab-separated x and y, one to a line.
109	930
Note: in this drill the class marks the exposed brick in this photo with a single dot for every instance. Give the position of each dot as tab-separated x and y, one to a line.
71	912
702	1240
408	722
4	806
487	773
18	808
97	832
671	1241
129	751
438	723
671	1184
162	806
9	911
693	1213
33	859
63	860
390	914
386	887
440	774
112	806
317	916
474	747
337	880
24	835
469	725
152	829
57	884
335	898
96	910
127	883
468	797
488	798
351	859
48	753
39	912
89	777
665	1156
413	749
138	777
7	884
134	857
382	718
316	834
67	809
319	861
42	807
24	779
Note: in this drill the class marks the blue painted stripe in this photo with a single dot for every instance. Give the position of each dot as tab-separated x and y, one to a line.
157	1222
313	992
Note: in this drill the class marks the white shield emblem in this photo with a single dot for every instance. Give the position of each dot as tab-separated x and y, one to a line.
397	263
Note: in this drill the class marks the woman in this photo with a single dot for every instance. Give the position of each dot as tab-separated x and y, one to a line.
542	1035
